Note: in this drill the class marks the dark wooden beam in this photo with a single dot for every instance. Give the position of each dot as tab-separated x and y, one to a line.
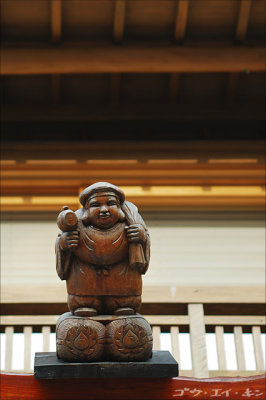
243	18
130	59
131	151
240	36
179	36
119	20
181	21
56	21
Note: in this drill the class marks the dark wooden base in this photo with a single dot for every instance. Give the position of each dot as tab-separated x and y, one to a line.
160	365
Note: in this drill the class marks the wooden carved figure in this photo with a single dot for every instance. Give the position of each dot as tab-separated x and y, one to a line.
101	252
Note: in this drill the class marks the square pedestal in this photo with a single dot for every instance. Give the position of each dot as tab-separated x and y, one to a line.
160	365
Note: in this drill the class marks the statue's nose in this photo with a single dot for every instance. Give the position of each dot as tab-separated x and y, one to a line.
104	210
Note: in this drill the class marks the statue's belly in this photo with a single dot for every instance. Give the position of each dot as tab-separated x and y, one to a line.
103	247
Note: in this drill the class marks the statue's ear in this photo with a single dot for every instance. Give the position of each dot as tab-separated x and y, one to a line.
121	215
85	217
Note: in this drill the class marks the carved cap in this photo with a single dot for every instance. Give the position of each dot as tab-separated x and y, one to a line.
100	187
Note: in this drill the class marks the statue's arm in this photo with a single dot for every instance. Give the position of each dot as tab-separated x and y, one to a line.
146	245
63	260
147	251
65	243
133	218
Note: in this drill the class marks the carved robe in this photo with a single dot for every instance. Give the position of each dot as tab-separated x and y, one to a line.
99	266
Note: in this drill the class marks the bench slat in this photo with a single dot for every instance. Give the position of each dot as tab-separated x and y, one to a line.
219	333
9	331
156	331
27	348
256	334
198	341
46	330
174	330
239	347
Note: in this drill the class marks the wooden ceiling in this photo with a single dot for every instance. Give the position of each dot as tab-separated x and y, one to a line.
160	67
163	97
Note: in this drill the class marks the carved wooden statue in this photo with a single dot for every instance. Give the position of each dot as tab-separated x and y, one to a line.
102	251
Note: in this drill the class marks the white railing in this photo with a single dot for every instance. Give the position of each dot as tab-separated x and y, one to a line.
169	332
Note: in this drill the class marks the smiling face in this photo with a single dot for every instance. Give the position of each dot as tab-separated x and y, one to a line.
103	211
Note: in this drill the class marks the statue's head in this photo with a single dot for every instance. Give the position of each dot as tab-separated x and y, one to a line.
102	202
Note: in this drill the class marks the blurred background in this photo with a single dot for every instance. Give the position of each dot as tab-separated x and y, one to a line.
164	98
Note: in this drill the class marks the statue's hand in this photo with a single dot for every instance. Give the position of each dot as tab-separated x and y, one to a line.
136	233
69	240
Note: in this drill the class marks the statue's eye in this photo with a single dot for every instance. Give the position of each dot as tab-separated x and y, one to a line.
94	205
111	203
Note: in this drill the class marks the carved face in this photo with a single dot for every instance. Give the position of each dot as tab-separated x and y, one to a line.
103	211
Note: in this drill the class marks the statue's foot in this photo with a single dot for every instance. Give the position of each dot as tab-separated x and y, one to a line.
124	311
85	312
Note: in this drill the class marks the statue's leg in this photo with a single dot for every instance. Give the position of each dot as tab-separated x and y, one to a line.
85	306
122	305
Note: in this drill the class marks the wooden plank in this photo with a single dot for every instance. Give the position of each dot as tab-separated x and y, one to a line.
150	203
9	331
219	334
29	320
198	340
167	319
149	149
174	331
234	319
240	355
243	18
46	330
220	194
56	20
70	59
212	373
240	36
222	295
169	171
119	20
256	334
181	20
156	332
27	387
230	320
67	189
27	348
235	373
224	373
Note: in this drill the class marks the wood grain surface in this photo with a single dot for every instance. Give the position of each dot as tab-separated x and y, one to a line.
130	59
16	386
